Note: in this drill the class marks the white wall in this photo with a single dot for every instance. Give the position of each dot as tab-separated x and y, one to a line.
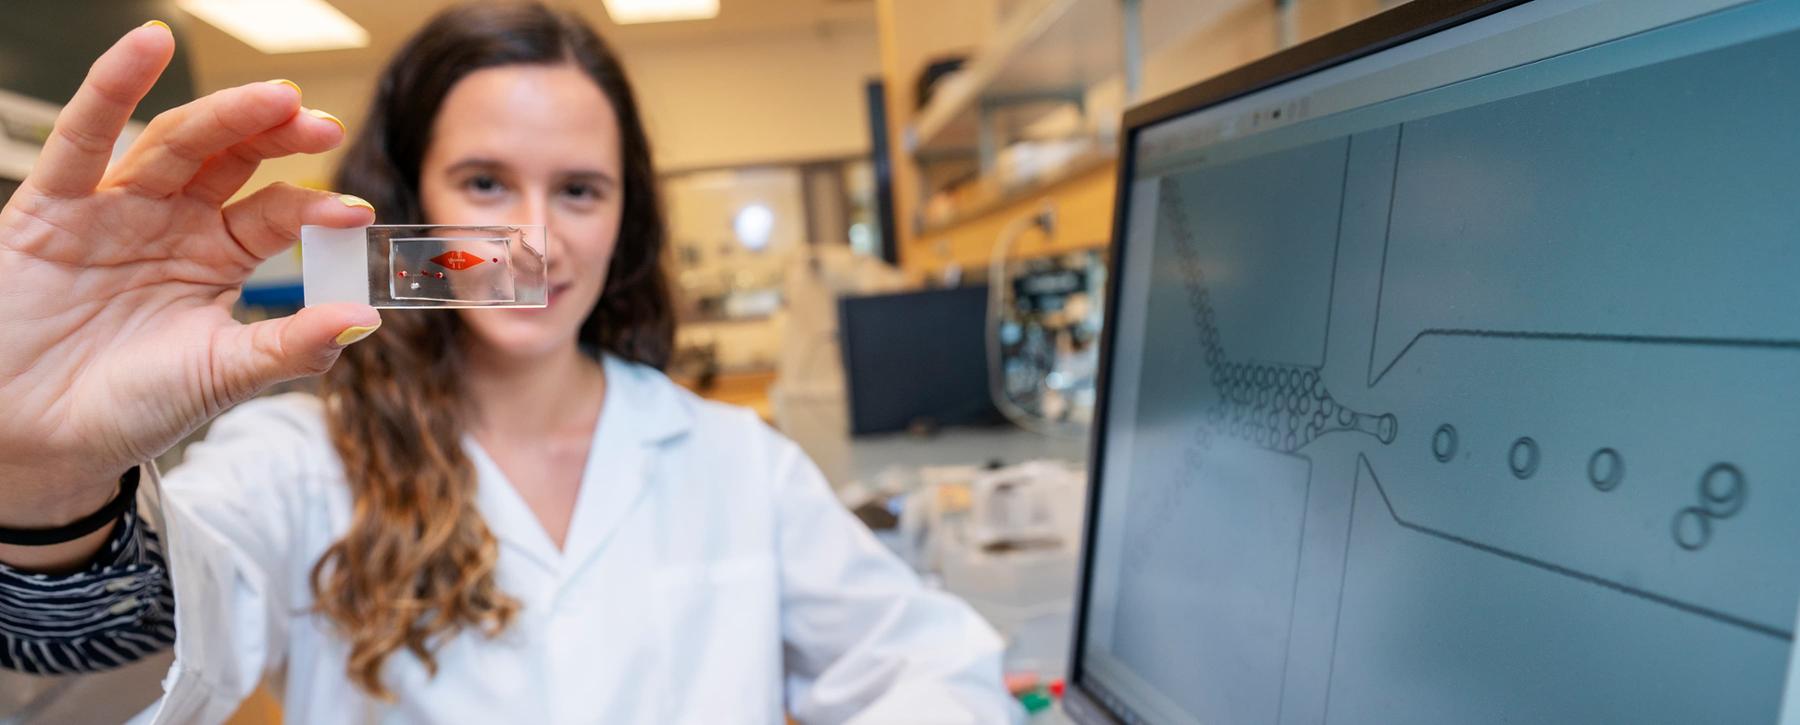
793	96
766	98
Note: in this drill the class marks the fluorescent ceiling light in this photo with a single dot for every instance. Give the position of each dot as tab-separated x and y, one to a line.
627	12
281	26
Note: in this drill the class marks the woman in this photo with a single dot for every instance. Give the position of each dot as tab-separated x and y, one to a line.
486	514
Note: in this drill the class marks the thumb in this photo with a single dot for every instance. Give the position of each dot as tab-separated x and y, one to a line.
305	343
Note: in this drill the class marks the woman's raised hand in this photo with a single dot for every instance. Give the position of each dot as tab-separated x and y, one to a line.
116	285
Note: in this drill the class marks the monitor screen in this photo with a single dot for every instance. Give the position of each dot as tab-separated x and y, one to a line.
916	360
1460	383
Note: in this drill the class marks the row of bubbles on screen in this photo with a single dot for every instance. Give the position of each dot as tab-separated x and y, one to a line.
1270	405
1275	406
1722	488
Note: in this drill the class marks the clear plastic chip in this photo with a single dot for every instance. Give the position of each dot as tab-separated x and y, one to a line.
426	265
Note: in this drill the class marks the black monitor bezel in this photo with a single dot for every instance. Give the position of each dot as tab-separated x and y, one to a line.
1379	32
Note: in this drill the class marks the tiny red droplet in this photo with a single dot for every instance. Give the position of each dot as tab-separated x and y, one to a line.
402	274
440	275
496	260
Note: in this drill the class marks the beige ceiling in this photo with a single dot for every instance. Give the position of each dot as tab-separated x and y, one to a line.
221	60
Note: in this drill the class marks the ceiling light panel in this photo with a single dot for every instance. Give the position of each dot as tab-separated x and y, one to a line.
627	12
281	26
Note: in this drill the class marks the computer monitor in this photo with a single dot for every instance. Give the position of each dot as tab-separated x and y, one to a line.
916	360
1453	376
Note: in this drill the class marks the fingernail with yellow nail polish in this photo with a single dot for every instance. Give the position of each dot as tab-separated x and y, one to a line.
316	113
156	23
285	82
353	335
355	201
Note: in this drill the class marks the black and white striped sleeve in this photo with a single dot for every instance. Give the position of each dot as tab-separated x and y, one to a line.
118	610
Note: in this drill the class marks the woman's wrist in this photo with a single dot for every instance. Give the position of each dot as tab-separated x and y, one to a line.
67	532
46	501
59	559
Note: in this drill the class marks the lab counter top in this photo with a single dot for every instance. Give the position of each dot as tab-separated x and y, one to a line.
871	455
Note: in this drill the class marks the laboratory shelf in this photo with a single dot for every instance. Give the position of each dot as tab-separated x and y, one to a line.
1045	56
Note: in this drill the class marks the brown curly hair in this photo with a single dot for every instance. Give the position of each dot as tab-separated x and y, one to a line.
417	565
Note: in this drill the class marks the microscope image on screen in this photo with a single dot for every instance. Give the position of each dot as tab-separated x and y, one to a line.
1488	414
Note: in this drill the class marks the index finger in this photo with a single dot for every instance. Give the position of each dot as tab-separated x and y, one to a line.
80	145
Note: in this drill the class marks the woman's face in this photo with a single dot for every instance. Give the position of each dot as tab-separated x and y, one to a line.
531	144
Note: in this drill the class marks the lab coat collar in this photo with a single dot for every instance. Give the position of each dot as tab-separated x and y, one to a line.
658	409
642	411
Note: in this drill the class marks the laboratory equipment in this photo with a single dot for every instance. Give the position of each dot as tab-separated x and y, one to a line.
1449	378
428	265
1042	332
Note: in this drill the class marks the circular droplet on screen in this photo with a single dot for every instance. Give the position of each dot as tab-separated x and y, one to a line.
1387	428
1443	443
1606	469
1722	490
1693	528
1523	459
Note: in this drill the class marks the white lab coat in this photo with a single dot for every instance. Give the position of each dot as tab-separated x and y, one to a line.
709	576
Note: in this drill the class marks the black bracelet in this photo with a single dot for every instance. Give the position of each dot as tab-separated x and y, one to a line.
128	485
